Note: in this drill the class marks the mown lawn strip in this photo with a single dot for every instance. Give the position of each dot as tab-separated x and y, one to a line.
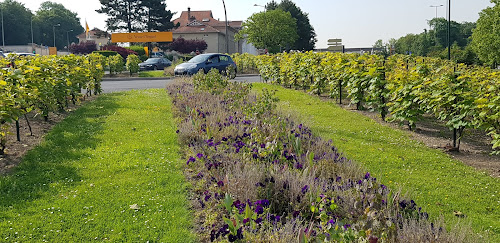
82	183
439	184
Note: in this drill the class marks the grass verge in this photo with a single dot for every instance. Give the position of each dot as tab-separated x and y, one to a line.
152	74
439	184
80	183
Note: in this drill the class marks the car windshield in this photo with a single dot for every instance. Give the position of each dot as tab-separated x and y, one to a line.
199	59
152	60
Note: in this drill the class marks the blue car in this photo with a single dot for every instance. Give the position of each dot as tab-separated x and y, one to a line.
206	62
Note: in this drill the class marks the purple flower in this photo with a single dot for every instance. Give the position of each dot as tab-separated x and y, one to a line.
220	183
200	175
346	226
305	189
177	131
263	202
383	186
367	175
296	213
199	155
331	221
224	139
190	160
300	126
258	220
259	209
246	220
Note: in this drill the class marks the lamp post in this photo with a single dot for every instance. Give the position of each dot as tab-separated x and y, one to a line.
437	6
67	38
3	33
227	34
54	30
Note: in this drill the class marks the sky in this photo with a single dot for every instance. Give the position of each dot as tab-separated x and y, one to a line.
359	23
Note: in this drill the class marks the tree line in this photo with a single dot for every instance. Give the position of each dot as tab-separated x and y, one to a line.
471	42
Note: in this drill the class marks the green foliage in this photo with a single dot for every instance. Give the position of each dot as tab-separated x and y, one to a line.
45	84
16	21
486	37
130	16
51	14
139	49
106	53
274	30
116	64
133	63
212	82
307	36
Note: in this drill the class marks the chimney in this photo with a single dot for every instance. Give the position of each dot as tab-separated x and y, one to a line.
189	13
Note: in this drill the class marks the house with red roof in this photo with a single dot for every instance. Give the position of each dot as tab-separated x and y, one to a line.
201	25
100	37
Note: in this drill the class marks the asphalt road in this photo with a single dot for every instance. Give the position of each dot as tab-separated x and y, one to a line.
123	84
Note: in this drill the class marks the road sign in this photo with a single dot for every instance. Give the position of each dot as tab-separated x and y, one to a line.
52	50
336	48
142	37
335	40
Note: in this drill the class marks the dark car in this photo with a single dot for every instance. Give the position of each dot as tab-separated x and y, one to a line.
206	62
156	63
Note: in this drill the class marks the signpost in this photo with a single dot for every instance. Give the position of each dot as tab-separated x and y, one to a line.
335	45
142	37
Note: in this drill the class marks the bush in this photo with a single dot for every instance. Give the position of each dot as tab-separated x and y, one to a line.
133	63
84	48
187	46
106	53
116	64
122	51
138	49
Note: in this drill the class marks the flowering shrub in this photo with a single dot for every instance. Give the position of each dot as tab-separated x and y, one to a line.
259	176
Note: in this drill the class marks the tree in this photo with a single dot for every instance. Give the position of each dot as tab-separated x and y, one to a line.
486	36
123	15
187	46
156	16
440	32
136	15
307	35
17	23
274	29
51	14
379	44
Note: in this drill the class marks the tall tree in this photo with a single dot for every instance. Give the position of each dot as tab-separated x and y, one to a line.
274	30
17	23
51	14
486	36
307	35
123	15
156	17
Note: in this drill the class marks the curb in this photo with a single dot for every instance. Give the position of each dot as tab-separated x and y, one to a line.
135	78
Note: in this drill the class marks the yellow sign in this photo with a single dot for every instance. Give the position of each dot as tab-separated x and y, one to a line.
142	37
146	50
52	50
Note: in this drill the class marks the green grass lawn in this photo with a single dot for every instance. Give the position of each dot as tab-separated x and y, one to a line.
439	184
152	74
78	185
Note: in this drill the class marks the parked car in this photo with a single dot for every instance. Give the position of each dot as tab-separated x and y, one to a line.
206	62
24	54
155	63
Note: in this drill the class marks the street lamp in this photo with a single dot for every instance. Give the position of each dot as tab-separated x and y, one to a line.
437	6
227	34
3	34
67	38
54	30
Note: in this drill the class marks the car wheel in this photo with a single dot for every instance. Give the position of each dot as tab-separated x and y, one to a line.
155	68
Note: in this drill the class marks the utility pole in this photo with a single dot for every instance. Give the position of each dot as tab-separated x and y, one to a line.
54	30
67	38
227	34
3	33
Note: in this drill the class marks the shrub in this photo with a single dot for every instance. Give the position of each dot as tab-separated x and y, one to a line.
121	50
84	48
116	64
106	53
133	63
138	49
187	46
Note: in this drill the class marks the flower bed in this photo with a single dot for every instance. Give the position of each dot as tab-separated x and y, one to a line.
259	176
